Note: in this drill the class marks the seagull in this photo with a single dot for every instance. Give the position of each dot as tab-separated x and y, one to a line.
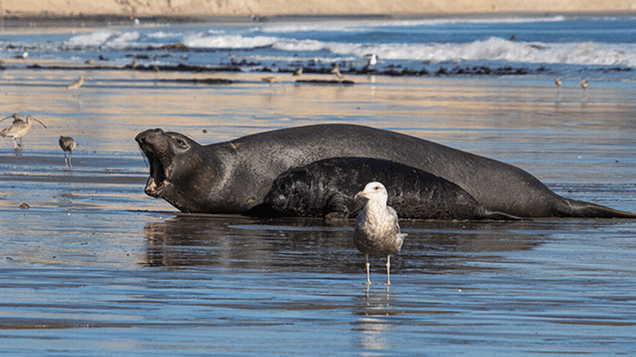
377	232
336	71
558	82
372	59
18	128
67	144
22	56
298	72
78	83
583	83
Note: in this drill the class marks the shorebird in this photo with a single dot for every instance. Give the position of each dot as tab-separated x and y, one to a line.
557	82
78	83
336	71
18	129
271	80
377	232
90	61
298	72
583	83
24	55
67	144
372	59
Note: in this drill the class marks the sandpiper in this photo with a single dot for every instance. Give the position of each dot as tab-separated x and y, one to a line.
18	129
78	83
67	144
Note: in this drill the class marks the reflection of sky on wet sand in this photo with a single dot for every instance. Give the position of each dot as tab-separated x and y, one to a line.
95	264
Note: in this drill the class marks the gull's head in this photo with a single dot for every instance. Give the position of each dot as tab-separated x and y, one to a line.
374	191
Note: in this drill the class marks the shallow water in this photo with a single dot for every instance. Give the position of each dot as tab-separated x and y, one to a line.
95	267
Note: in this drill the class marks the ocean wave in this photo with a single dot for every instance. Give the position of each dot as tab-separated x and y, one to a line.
494	48
97	38
227	41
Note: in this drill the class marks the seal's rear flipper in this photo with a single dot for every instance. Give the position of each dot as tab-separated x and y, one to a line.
484	213
576	208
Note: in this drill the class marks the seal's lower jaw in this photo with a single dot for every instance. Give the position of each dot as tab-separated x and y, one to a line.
155	189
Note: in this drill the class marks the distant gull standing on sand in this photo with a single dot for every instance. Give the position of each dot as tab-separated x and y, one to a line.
78	83
372	59
22	56
298	72
583	83
377	232
67	144
336	71
18	129
558	82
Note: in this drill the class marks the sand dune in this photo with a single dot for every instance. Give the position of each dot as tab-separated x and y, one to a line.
205	8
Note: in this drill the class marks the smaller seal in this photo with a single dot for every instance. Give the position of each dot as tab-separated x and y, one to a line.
326	188
377	232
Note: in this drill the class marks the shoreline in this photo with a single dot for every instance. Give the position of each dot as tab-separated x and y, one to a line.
42	21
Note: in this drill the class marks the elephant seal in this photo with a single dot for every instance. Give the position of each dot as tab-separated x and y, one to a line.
327	188
234	176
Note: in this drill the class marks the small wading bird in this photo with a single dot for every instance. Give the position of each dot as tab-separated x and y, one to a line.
298	72
335	70
78	83
583	83
18	129
377	232
67	144
558	82
271	80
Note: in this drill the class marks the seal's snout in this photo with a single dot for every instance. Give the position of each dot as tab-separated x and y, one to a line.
144	136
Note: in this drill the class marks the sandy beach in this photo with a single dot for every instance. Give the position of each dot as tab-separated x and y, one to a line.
272	8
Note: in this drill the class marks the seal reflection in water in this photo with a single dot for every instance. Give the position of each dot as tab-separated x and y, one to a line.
377	232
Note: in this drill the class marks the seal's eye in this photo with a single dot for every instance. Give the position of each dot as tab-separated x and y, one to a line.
181	142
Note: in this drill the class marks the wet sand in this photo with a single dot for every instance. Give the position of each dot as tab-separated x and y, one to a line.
95	267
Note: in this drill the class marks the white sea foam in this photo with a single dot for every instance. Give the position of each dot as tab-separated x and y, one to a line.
227	41
496	49
124	39
93	39
162	34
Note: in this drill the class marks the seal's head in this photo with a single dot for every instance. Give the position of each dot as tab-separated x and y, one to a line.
290	193
170	156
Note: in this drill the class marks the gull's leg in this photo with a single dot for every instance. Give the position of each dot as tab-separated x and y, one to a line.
388	268
368	278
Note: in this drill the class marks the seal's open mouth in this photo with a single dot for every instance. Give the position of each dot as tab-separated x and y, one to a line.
158	172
